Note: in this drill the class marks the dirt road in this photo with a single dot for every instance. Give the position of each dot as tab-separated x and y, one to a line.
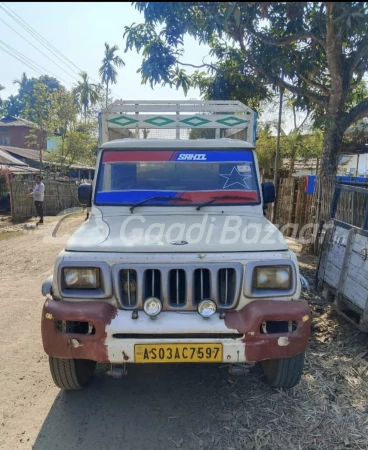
168	407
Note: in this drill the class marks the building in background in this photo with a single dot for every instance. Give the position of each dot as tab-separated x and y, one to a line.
14	132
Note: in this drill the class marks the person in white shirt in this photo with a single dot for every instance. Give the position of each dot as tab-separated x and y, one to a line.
38	194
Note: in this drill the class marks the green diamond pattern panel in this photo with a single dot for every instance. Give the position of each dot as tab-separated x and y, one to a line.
123	121
159	121
195	121
231	121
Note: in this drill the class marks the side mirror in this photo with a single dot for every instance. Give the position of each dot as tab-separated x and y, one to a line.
268	192
85	194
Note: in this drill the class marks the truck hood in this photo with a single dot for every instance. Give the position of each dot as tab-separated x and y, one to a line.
176	233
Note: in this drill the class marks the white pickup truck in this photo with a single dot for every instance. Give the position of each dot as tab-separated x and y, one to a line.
177	262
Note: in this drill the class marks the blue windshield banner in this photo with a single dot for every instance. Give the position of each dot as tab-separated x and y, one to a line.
182	156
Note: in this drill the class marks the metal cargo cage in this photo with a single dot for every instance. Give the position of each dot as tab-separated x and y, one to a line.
189	119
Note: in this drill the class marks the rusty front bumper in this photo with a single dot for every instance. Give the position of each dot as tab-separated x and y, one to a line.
108	321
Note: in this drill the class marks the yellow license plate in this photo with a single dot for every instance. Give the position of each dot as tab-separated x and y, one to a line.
177	353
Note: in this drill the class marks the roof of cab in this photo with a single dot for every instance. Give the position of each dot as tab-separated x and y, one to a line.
177	143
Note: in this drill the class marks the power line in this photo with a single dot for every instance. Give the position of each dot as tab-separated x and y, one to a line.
31	62
34	34
30	43
22	61
42	38
43	41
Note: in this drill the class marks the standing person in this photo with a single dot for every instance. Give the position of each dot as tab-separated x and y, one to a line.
38	194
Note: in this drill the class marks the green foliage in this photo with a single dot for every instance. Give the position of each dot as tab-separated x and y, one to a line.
4	181
54	111
205	133
65	110
293	146
39	106
86	94
1	89
318	51
78	145
107	71
22	104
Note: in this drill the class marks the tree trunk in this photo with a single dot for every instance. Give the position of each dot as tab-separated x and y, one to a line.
334	131
332	141
292	163
107	92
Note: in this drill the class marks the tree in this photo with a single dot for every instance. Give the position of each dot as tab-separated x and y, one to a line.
23	83
316	50
108	72
10	106
40	107
78	142
78	146
22	104
86	94
1	89
65	116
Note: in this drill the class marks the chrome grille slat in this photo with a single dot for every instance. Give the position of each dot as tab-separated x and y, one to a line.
201	272
226	282
175	284
129	287
153	283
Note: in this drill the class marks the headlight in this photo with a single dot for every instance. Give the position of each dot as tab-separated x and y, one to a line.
81	278
272	277
207	308
152	306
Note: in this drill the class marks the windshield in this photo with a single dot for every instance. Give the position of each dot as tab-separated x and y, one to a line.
128	177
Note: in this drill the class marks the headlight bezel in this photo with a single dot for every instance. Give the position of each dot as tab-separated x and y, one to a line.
258	269
250	289
104	290
78	285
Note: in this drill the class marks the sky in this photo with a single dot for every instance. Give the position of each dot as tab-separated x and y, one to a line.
79	30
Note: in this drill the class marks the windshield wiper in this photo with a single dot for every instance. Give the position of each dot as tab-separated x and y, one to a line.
223	196
158	197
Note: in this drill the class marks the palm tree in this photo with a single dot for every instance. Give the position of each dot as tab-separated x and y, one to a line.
108	72
23	82
86	94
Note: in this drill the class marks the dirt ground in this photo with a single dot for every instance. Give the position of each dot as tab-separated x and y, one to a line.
166	407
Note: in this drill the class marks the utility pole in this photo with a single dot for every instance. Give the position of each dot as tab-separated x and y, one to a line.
277	156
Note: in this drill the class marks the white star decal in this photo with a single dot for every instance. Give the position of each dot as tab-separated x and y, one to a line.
235	178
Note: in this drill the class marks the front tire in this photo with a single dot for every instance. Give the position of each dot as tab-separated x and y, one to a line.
284	372
71	374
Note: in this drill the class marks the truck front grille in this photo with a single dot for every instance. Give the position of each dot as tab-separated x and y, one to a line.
202	285
152	283
178	287
129	288
226	286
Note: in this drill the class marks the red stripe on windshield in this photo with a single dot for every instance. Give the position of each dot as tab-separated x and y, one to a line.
205	196
135	156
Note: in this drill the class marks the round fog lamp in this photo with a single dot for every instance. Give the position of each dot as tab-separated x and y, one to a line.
207	308
152	306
